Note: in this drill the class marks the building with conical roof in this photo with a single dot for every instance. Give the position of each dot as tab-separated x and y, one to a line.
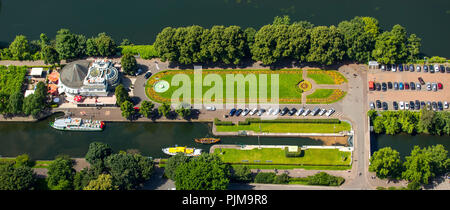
87	78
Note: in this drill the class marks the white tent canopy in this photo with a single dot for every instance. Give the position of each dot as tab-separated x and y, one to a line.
36	71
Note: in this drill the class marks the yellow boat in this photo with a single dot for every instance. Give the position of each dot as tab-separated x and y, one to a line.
185	150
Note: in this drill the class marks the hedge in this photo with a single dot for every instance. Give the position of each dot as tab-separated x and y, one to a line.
219	122
145	51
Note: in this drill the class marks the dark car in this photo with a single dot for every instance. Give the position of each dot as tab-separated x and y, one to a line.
378	104
421	81
232	112
385	106
395	86
442	68
400	67
389	85
238	112
413	86
285	111
411	105
434	106
447	69
431	68
147	75
411	67
422	104
406	67
388	67
384	86
425	68
292	112
378	86
417	104
406	86
395	104
440	105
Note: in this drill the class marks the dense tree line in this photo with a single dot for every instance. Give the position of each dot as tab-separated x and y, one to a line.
359	39
419	168
426	121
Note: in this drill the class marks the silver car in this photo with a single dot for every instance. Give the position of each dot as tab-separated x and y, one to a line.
300	111
307	111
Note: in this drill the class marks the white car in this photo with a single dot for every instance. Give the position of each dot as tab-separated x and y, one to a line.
253	112
270	111
401	105
322	112
436	68
445	105
261	111
211	108
406	106
330	112
276	111
307	111
372	105
394	68
300	111
245	112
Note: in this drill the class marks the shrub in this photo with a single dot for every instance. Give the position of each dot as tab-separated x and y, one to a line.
281	179
323	178
219	122
242	173
265	178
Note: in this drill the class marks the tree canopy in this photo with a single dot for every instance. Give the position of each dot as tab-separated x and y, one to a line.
386	163
61	174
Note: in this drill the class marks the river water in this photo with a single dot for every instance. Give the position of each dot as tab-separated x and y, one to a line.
141	20
41	141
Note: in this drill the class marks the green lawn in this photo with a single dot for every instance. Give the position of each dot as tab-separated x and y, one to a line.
322	78
288	127
310	157
321	93
329	77
287	83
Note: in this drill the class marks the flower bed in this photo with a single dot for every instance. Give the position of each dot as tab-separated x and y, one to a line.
336	95
326	77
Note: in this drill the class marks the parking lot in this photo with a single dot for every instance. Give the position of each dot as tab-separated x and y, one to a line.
407	95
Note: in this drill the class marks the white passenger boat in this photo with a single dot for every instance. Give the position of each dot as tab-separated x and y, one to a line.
77	124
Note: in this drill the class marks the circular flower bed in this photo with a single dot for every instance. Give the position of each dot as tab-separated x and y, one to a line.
161	86
305	85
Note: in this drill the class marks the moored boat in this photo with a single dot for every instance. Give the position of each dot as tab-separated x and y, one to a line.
77	124
185	150
207	140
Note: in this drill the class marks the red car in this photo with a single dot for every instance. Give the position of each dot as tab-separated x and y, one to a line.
406	85
440	86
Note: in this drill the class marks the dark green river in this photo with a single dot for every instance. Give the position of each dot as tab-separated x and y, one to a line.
141	20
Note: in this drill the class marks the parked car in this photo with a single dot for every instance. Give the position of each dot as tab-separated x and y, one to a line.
406	67
421	80
261	111
412	85
285	111
211	108
440	107
425	68
436	68
245	112
411	67
232	112
422	104
385	106
307	111
400	67
406	105
269	112
378	103
395	105
378	86
428	86
447	69
418	68
300	111
394	68
445	104
429	105
442	68
388	67
440	86
330	112
418	86
389	84
322	112
434	105
395	86
411	105
276	111
148	75
253	112
383	67
406	86
384	86
431	68
402	105
434	85
417	104
400	85
315	111
238	112
292	111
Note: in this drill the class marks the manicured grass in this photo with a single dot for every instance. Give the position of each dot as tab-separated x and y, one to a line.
321	93
145	51
289	92
310	157
287	167
326	76
287	127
